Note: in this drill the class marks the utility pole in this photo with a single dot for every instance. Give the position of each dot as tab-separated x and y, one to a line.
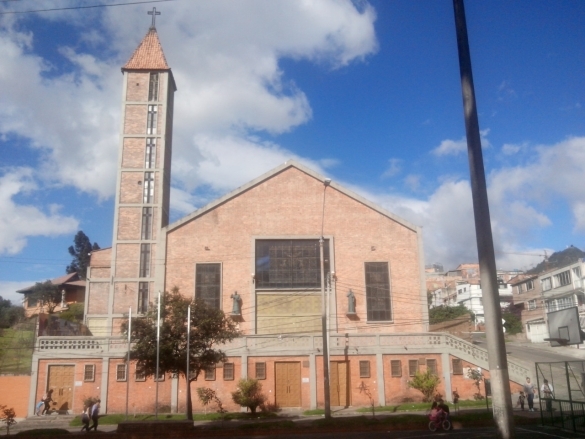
128	359
326	394
498	364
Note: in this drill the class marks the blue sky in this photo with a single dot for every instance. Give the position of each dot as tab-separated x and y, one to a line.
366	93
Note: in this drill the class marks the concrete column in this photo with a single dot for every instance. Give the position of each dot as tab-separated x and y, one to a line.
313	381
380	379
446	366
104	385
244	366
174	393
32	393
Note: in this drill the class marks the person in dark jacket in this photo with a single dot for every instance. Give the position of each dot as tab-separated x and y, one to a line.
48	399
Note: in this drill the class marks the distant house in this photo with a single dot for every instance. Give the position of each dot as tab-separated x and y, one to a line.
72	289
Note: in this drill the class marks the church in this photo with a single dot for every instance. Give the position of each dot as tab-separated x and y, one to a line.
272	254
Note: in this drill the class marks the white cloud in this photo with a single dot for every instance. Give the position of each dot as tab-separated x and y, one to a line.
456	147
394	168
19	221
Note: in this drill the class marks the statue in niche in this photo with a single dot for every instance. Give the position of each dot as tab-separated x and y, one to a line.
236	307
350	302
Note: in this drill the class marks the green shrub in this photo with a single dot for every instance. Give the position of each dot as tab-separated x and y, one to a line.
426	383
249	394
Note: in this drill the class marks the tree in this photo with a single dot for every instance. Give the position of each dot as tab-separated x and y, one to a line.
81	253
48	295
7	416
9	313
477	378
513	324
210	328
426	383
444	313
249	394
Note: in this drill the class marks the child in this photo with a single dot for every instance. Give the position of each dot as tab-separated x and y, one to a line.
521	399
85	419
39	406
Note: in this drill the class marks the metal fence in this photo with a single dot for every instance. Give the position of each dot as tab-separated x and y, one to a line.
566	407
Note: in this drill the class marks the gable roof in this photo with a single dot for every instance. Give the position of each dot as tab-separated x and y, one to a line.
287	165
148	55
66	279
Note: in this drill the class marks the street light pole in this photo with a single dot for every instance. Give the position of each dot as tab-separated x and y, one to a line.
326	394
498	364
128	360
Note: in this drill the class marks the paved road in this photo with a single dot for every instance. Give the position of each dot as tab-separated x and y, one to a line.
531	353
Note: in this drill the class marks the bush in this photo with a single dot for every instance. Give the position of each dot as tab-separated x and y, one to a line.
74	314
7	416
88	402
249	394
444	313
426	383
513	324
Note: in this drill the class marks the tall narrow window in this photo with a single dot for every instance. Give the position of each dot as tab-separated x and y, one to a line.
208	284
432	366
412	367
396	368
121	372
148	187
153	87
150	153
89	372
151	119
144	260
210	374
457	366
261	371
146	223
378	291
142	297
228	371
364	369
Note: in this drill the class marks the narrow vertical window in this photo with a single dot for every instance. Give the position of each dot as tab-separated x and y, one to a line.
432	366
378	291
208	284
142	297
260	371
144	260
153	87
228	372
89	372
457	366
412	367
210	374
146	223
364	369
139	375
148	187
121	372
151	120
150	153
396	368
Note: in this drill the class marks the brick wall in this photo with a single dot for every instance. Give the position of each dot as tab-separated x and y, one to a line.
137	86
14	393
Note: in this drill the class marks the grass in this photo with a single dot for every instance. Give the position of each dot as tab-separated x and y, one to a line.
16	348
419	406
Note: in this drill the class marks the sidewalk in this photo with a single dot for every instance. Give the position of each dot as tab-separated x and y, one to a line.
295	415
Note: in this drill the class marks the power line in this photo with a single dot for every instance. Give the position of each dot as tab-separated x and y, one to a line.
80	7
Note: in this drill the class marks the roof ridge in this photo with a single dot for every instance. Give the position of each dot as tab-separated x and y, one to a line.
148	55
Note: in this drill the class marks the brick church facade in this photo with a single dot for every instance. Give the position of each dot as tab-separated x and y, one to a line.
261	245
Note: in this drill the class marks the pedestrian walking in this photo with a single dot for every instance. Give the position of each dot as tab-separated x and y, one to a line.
85	418
95	413
47	401
529	391
547	392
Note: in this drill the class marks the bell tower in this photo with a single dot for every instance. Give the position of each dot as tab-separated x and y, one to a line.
143	182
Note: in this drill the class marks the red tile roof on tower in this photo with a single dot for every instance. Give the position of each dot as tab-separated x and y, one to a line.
148	55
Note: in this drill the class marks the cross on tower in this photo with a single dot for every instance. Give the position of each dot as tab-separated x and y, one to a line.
154	13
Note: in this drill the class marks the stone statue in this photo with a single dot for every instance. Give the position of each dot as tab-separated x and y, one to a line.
236	308
350	302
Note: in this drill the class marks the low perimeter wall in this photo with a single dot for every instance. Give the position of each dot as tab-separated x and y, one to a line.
14	393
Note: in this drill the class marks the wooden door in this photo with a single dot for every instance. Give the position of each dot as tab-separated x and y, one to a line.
61	379
287	384
339	383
